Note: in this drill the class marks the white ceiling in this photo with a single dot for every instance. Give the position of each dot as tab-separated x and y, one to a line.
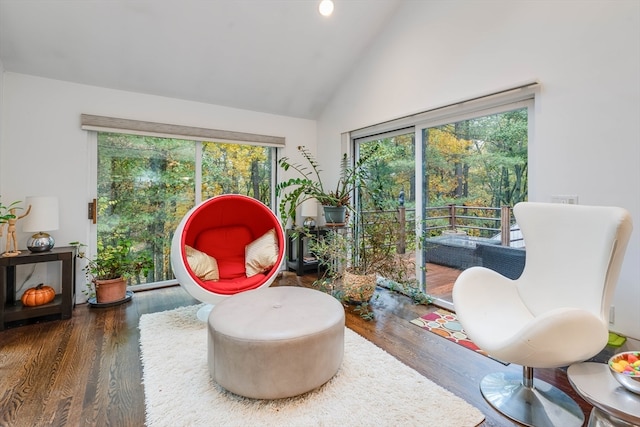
274	56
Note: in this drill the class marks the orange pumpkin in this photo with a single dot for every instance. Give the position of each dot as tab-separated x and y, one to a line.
39	295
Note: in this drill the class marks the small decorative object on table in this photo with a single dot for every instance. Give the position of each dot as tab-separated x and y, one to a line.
40	295
8	215
44	217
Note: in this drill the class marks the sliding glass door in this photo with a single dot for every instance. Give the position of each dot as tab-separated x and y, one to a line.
473	167
390	200
451	175
145	185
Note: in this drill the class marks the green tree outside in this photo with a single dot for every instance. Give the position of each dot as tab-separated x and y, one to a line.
146	185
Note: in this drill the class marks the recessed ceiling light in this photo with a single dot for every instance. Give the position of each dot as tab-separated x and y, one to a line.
326	7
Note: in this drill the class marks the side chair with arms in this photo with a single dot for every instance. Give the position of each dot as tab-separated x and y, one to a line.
554	314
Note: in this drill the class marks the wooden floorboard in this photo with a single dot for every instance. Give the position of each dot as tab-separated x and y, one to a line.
86	371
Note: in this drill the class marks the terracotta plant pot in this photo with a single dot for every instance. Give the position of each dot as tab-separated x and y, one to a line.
358	288
110	290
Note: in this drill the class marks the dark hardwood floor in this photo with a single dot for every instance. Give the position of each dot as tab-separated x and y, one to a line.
86	371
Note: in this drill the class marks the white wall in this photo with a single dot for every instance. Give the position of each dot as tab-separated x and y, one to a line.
586	55
43	151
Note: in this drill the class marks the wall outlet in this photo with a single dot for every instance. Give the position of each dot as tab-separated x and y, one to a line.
612	314
567	199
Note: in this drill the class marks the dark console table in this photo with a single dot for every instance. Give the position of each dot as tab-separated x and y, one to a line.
63	304
298	257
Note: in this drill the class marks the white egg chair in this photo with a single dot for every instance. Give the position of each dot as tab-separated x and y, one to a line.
555	314
225	245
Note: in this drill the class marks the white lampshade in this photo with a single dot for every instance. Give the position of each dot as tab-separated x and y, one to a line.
309	212
42	217
309	208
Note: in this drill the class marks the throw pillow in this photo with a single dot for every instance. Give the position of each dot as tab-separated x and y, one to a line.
261	254
203	265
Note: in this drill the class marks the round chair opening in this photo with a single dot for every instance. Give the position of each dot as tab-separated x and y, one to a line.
225	245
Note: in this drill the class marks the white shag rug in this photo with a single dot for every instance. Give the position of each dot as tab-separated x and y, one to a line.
371	387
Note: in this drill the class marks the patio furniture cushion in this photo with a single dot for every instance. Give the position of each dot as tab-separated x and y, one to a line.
505	260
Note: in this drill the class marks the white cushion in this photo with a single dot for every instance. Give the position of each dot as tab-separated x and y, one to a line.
261	254
204	266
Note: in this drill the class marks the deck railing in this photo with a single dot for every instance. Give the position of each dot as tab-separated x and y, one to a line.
481	221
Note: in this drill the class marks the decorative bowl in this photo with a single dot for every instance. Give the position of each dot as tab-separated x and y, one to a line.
625	368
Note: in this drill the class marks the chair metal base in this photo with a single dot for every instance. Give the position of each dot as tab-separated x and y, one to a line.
538	405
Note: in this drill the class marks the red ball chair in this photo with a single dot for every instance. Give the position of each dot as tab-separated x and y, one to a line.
225	245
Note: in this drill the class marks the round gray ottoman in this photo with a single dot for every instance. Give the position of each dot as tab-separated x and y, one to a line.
272	343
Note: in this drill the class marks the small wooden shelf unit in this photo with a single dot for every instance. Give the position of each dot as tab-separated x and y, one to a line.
12	310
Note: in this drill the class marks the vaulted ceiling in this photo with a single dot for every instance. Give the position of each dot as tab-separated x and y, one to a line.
273	56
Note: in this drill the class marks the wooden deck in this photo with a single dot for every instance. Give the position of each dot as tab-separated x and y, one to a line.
440	280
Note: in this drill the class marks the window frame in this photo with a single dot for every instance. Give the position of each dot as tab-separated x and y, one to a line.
501	101
274	143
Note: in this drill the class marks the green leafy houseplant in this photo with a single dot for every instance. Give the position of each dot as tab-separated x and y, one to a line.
114	260
365	249
367	246
309	185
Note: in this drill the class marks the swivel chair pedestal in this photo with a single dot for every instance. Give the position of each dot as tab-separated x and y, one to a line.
534	403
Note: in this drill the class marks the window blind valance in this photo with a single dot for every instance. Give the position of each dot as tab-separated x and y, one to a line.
456	109
164	130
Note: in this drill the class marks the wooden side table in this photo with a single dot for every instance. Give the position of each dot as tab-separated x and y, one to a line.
63	304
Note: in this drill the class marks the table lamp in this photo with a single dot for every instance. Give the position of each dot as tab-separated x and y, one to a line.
309	213
43	217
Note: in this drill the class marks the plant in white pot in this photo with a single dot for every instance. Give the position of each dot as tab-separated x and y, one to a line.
309	185
108	272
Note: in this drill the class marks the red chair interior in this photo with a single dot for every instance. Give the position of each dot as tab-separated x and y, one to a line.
222	227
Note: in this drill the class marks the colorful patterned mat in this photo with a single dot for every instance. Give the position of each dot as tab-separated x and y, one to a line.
445	324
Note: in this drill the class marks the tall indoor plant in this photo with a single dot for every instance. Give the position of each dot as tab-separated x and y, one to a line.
309	185
353	257
108	272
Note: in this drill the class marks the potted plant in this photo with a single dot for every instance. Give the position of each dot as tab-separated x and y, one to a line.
353	257
109	271
309	185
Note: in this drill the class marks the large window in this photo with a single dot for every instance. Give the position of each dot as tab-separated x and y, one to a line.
146	184
471	153
481	161
473	167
